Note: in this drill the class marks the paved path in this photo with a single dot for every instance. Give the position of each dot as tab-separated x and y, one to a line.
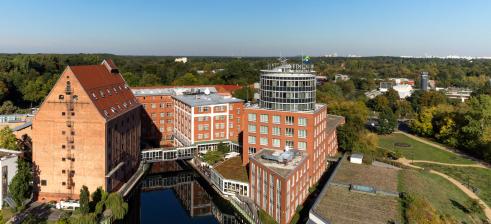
467	191
478	165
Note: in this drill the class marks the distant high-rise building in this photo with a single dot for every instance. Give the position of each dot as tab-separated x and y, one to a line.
424	81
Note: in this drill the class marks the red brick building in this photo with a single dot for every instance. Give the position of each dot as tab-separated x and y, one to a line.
279	182
202	118
86	132
287	118
158	116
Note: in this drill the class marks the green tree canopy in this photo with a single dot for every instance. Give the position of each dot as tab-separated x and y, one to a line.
8	139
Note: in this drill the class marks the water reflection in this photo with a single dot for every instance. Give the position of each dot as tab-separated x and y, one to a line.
173	193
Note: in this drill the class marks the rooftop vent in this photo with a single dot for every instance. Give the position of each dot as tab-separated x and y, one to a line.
280	157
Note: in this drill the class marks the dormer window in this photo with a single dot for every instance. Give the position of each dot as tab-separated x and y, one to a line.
125	105
108	92
94	96
106	113
115	90
102	93
113	109
119	107
130	102
120	88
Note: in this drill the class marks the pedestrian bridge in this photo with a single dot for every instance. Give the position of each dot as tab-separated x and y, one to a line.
168	154
158	182
179	153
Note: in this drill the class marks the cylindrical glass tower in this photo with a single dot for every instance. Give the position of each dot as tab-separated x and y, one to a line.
288	88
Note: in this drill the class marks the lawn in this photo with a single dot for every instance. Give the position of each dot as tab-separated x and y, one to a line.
479	178
418	150
446	198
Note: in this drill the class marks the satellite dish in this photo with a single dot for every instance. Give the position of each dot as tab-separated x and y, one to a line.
207	91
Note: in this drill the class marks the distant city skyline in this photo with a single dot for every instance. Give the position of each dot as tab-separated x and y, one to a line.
248	28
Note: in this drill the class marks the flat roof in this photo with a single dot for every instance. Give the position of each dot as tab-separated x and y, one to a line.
204	99
233	169
169	91
283	169
338	204
381	178
333	121
318	106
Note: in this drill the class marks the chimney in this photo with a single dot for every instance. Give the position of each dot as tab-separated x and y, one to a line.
110	66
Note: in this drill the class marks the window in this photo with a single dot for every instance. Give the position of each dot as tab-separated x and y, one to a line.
264	129
289	132
264	118
252	150
203	109
252	140
251	117
61	97
276	131
289	144
276	119
62	113
302	121
263	141
252	128
289	120
302	145
153	106
276	142
43	182
200	136
302	133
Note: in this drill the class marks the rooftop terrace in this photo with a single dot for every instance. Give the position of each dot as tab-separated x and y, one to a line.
282	168
233	169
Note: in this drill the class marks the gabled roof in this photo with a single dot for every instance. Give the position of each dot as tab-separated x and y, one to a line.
106	88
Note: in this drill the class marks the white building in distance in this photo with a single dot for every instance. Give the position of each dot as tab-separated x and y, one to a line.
181	60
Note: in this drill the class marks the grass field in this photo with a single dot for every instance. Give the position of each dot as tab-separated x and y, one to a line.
419	150
479	178
446	198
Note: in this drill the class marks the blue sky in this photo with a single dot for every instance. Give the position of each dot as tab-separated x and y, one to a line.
247	28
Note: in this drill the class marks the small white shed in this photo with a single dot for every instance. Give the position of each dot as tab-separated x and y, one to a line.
356	158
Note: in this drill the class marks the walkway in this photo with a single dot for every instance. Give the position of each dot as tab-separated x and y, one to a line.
467	191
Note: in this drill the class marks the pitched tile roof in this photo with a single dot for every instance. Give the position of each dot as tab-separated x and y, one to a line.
106	88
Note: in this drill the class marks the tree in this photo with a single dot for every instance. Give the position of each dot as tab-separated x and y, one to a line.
186	80
8	139
117	205
245	93
20	187
223	148
8	107
356	115
84	200
387	122
379	103
423	125
149	80
392	98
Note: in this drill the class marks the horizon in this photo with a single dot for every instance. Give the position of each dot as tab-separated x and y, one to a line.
248	29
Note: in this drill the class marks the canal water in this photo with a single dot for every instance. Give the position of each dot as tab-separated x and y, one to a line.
172	192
